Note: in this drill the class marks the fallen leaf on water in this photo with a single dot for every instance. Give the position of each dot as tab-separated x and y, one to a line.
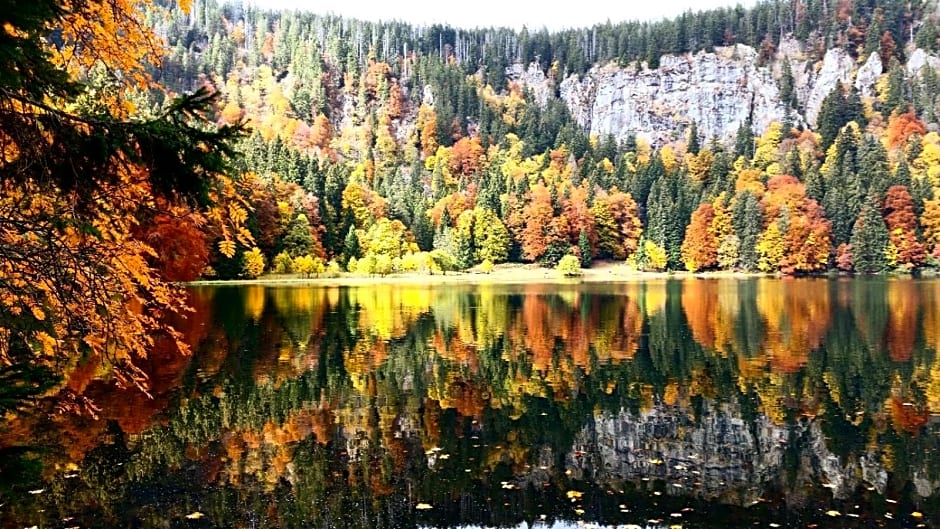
37	491
833	513
573	494
194	515
917	514
423	506
579	512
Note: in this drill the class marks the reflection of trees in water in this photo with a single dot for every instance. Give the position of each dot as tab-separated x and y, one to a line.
309	406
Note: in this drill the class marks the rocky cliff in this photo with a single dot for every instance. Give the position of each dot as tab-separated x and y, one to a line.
717	90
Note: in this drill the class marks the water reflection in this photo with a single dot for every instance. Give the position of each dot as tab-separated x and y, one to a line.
695	402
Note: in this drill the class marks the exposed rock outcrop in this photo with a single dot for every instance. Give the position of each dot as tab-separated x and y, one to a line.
868	75
837	67
717	90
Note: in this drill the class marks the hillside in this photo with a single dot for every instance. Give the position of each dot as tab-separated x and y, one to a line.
712	140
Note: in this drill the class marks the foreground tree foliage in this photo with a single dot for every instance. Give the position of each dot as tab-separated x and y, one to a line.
98	201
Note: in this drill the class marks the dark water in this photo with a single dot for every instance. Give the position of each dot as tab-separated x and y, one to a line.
693	403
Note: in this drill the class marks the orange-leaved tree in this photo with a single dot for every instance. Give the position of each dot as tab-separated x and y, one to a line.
81	172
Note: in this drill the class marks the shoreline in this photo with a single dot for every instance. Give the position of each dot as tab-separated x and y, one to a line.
513	273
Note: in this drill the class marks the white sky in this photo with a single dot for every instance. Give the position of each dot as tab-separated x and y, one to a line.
509	13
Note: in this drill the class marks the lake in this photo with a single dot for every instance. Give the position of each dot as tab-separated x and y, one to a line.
688	402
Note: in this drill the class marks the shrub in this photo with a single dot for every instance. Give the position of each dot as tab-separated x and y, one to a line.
569	266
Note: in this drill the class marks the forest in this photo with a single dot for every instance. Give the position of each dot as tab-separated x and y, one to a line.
167	142
383	147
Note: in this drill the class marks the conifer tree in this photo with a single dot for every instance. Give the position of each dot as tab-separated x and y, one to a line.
869	240
584	245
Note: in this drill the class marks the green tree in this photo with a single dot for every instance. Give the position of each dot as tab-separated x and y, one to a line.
584	246
746	219
298	240
444	260
869	241
351	247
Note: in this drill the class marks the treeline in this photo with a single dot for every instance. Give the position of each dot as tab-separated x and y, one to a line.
352	162
857	25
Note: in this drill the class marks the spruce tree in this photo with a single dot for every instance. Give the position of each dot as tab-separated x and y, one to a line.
694	145
869	239
746	219
298	241
831	116
584	245
351	247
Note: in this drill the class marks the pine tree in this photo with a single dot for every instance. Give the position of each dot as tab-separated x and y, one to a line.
869	240
584	245
787	91
693	146
464	251
746	219
298	240
832	116
351	247
744	140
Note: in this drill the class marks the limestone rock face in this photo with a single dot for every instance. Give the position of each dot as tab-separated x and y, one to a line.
718	91
918	59
868	75
532	77
837	67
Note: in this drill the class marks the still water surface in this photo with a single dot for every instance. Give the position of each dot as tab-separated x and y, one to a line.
692	403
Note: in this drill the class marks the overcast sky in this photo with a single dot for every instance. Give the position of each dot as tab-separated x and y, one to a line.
515	14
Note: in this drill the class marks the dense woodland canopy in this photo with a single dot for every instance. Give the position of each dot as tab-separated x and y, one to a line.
405	148
384	147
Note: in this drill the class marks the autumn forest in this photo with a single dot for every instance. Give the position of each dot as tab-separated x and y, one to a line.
147	144
379	148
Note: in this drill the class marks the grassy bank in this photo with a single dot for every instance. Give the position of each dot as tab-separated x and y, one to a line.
504	273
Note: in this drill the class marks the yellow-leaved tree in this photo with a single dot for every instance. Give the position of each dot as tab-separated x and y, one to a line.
82	174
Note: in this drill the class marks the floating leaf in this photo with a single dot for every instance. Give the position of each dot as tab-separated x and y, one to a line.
833	513
423	506
194	515
574	495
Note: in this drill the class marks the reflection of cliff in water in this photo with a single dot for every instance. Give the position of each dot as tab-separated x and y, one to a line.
722	401
721	456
